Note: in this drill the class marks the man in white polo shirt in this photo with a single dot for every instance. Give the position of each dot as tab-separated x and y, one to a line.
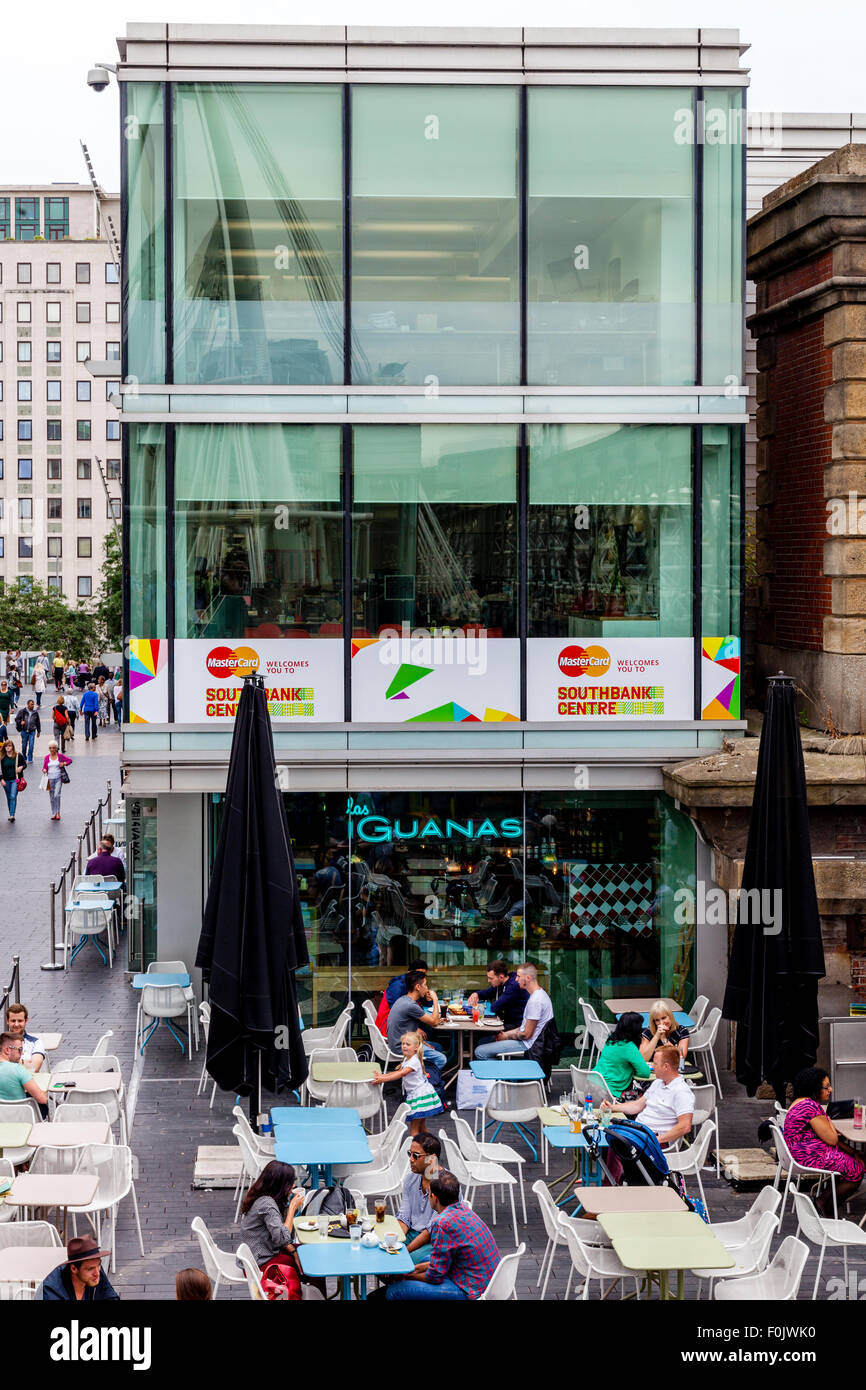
668	1104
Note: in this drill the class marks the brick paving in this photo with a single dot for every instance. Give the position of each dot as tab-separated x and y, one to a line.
170	1122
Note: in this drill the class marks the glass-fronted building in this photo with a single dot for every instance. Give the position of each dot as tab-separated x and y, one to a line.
434	404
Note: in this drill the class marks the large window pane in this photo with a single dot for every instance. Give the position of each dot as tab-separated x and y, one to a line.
435	527
145	231
258	531
724	137
258	234
147	590
610	253
720	540
610	531
434	236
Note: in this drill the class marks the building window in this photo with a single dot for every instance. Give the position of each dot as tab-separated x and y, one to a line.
25	272
112	352
82	311
55	470
2	547
82	390
25	547
82	272
112	313
54	431
112	470
85	547
25	429
55	547
52	350
25	390
82	351
85	586
52	273
112	273
24	311
82	429
25	508
113	508
52	311
25	469
5	232
55	508
112	431
53	390
56	218
82	468
112	388
83	511
26	218
55	581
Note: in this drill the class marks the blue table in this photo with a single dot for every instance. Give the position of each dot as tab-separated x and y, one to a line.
337	1258
328	1115
319	1148
680	1019
179	981
561	1137
507	1069
111	887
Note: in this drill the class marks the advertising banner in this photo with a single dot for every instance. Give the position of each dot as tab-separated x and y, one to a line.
303	679
609	678
720	678
147	697
419	678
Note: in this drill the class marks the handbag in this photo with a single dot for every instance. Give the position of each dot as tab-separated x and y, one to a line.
281	1282
43	782
22	784
64	775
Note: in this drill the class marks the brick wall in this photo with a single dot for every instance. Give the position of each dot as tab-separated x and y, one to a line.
858	972
850	833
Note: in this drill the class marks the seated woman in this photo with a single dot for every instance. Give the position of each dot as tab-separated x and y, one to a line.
662	1029
621	1062
268	1212
814	1140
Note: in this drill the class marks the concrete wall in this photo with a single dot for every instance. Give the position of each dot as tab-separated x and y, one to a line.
180	855
712	955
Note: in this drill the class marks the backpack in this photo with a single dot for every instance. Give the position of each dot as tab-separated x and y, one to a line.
328	1201
546	1050
60	717
281	1283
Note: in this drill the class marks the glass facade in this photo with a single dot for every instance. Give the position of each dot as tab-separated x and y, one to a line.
723	245
145	533
144	231
721	534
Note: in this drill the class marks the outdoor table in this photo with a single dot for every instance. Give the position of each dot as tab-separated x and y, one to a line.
96	887
596	1200
87	1081
345	1071
561	1137
29	1264
452	1023
507	1069
60	1136
847	1130
637	1006
14	1134
313	1238
95	902
664	1240
337	1257
178	981
319	1147
331	1116
52	1190
115	824
51	1041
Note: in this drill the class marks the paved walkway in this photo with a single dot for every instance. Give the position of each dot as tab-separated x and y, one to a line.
170	1122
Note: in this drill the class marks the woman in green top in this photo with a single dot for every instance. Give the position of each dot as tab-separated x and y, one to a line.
621	1062
12	766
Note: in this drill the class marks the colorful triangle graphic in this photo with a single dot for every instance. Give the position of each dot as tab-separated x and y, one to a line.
443	714
711	646
498	716
358	643
406	675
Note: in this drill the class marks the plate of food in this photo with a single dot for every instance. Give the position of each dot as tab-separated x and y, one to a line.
491	1022
306	1223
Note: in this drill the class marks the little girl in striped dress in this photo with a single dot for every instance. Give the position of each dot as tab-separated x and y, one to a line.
418	1092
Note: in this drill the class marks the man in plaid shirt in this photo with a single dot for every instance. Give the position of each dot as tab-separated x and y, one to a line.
463	1253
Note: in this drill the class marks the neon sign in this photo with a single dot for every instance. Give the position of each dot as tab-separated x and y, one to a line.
379	830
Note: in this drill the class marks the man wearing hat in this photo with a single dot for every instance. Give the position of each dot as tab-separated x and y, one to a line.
81	1277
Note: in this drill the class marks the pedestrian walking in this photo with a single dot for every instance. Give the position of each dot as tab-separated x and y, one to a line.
12	767
118	702
89	707
39	682
29	726
5	702
15	686
71	674
102	696
54	775
72	700
60	715
83	675
59	667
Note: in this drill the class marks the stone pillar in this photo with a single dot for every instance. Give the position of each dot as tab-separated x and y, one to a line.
807	256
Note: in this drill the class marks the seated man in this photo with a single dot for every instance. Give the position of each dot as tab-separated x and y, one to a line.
16	1081
114	849
668	1103
81	1277
416	1216
394	990
508	997
537	1013
463	1253
106	863
407	1013
32	1052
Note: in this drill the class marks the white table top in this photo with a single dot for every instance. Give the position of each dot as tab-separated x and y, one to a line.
52	1190
89	1081
29	1264
61	1136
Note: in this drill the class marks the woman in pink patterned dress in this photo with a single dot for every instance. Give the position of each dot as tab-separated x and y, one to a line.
814	1140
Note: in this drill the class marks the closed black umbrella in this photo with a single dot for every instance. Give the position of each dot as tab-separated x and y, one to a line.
252	938
772	988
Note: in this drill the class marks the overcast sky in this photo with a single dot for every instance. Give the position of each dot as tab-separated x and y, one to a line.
802	57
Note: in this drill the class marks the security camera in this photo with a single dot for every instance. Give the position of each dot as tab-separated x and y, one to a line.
98	79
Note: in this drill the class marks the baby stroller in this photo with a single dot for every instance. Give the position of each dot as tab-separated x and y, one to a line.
639	1160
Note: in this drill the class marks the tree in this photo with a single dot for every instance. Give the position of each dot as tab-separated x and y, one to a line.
33	616
109	599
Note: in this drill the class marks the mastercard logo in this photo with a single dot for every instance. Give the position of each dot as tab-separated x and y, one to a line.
584	661
223	662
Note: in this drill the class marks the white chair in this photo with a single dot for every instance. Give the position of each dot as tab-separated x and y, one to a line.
7	1174
701	1043
369	1011
550	1215
514	1103
797	1171
383	1157
778	1283
396	1125
263	1142
503	1279
114	1101
382	1182
750	1258
820	1230
219	1264
334	1036
252	1274
706	1108
592	1083
318	1090
19	1112
86	923
697	1011
112	1164
591	1261
379	1044
733	1234
102	1046
481	1174
597	1031
204	1019
162	1003
253	1162
179	967
30	1234
476	1151
61	1158
689	1162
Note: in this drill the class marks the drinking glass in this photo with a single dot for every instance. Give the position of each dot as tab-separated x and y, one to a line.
380	1210
323	1227
355	1236
858	1113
